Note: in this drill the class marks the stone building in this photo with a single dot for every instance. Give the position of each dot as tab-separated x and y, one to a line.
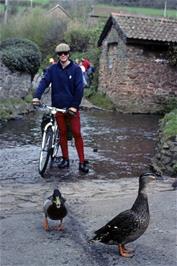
134	70
59	12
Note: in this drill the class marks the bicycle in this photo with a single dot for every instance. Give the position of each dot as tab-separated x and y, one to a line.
50	138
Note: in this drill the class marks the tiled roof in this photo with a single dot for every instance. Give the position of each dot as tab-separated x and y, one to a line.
143	28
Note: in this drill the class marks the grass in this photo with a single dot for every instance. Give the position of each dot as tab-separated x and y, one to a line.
169	124
8	106
106	9
99	99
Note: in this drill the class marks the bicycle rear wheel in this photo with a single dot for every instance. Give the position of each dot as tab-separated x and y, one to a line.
46	150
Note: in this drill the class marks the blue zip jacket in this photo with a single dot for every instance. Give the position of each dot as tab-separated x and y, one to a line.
67	85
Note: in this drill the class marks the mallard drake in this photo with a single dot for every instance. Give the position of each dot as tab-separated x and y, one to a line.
130	224
54	209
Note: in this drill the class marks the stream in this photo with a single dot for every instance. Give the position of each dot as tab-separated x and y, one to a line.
116	145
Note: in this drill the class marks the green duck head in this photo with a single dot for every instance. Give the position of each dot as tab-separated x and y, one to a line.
56	198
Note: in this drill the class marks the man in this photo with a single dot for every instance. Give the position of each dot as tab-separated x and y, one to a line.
67	92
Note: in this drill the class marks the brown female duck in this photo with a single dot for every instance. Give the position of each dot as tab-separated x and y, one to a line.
130	224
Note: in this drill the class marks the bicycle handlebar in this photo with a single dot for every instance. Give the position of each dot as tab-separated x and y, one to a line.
54	110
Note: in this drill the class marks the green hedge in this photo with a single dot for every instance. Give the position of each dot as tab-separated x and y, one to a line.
169	124
172	55
20	55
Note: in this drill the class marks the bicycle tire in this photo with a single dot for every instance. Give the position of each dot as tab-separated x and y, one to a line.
46	150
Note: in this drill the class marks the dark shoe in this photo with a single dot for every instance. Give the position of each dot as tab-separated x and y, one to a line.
83	167
63	164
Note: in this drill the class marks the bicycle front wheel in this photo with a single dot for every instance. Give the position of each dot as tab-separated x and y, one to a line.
46	150
55	146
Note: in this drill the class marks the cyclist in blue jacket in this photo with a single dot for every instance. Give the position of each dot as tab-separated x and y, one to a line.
67	88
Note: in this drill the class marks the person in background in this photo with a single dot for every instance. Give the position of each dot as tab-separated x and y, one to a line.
83	72
51	61
86	63
67	91
89	70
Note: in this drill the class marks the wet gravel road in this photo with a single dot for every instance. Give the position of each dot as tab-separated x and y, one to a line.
92	200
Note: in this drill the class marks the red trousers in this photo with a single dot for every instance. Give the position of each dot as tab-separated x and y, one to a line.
76	132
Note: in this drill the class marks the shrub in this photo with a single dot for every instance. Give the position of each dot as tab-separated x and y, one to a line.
46	31
81	38
172	55
53	36
21	55
99	99
78	40
169	124
170	104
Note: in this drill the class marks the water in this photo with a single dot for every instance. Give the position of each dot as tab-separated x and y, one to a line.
117	145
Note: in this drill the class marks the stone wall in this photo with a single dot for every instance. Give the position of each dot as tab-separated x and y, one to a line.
165	159
134	78
14	87
13	84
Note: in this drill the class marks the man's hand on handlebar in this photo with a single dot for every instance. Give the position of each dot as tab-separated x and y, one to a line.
72	111
36	102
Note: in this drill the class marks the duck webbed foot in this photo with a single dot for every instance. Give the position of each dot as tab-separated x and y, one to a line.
124	252
45	224
60	227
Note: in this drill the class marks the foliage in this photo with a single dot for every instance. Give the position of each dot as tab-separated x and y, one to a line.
20	55
170	104
44	30
10	106
99	99
172	55
169	124
78	39
5	114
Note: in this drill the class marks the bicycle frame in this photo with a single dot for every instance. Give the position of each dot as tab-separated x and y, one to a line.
50	141
54	128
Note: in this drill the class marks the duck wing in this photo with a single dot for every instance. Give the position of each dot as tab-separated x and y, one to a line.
120	229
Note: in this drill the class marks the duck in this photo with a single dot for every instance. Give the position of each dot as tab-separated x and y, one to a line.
130	224
54	209
174	184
